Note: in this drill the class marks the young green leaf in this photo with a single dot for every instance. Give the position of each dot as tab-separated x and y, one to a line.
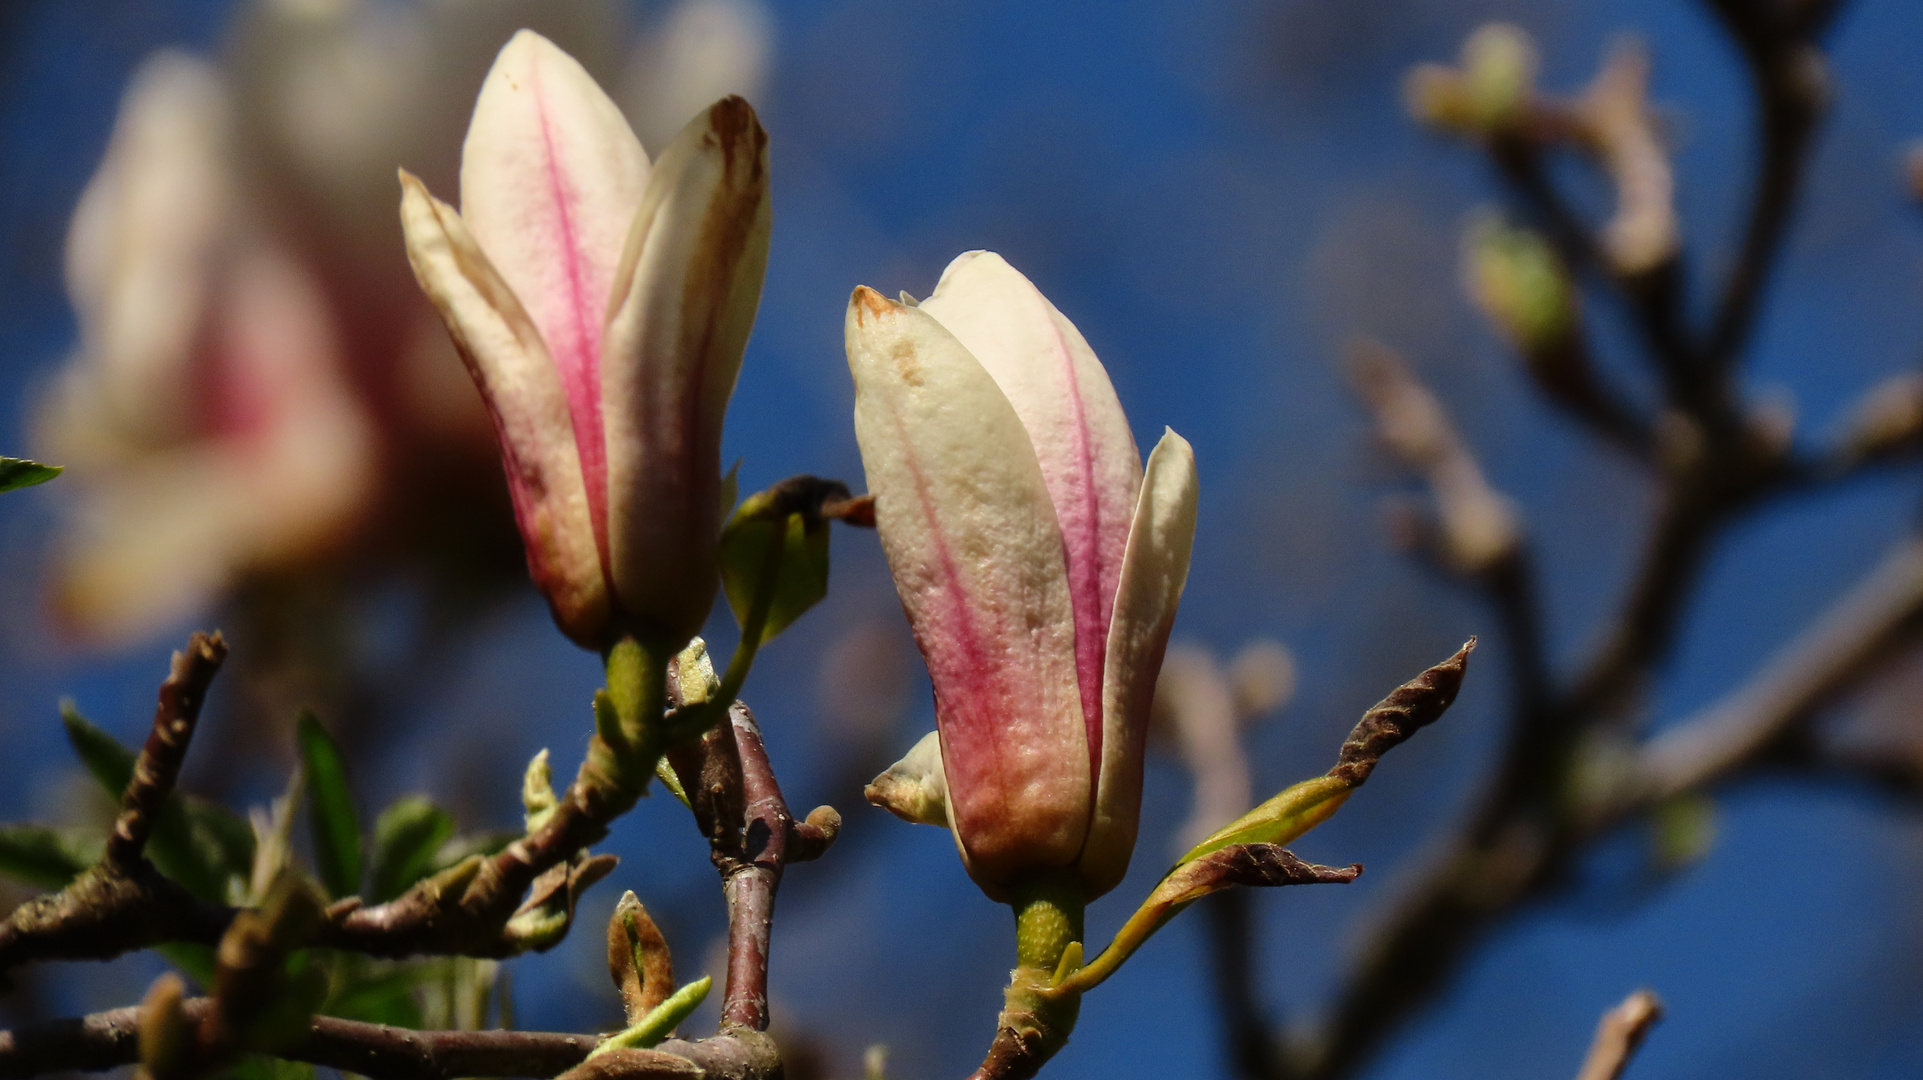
109	763
336	829
461	848
407	836
19	472
46	857
660	1022
376	991
194	960
1260	865
785	552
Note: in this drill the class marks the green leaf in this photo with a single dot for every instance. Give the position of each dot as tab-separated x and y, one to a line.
407	837
375	991
1288	815
19	472
661	1022
47	857
222	840
110	763
194	961
765	538
262	1067
336	829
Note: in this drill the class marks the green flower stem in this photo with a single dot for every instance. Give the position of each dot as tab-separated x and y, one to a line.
638	696
1048	917
1037	1019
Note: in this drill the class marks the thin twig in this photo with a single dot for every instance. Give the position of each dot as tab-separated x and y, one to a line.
1618	1035
1826	657
123	903
108	1040
158	766
1787	72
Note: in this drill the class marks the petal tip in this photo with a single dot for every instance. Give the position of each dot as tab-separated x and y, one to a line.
867	302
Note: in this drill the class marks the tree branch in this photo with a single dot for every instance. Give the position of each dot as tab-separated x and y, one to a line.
1859	629
110	1039
1787	72
158	766
1619	1034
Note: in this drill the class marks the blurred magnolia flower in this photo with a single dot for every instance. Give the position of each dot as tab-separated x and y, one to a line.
1039	565
207	414
259	388
602	307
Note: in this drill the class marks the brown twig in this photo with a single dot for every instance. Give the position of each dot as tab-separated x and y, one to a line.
1843	642
1787	72
110	1039
1619	1034
158	766
123	903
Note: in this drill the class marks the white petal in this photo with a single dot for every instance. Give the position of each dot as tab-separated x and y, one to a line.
970	534
914	789
1065	400
1153	573
685	298
551	176
504	353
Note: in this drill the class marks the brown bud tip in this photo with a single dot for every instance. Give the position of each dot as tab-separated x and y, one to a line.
1408	709
638	958
858	511
1262	866
812	838
866	302
165	1038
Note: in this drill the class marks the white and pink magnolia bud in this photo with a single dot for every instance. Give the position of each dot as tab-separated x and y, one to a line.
1039	565
602	306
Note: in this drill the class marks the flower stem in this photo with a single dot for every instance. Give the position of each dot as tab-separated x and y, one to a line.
638	691
1035	1020
1048	916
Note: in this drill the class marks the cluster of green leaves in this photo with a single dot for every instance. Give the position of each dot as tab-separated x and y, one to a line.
213	852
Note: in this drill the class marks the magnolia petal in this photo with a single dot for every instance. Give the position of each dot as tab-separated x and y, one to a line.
1087	453
914	789
550	179
970	534
145	241
685	296
280	477
1153	573
505	354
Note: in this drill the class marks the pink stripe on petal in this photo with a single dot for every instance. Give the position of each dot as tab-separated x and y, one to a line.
505	354
1081	437
551	177
971	537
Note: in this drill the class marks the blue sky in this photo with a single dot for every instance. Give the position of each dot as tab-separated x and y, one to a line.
1219	194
